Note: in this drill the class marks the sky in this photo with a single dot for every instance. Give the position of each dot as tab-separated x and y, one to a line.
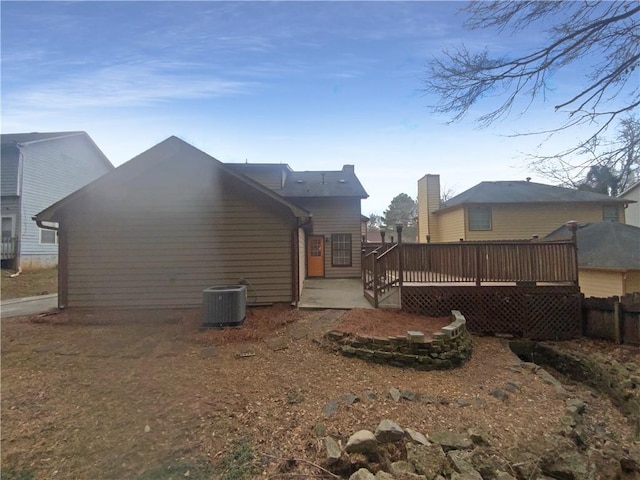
315	85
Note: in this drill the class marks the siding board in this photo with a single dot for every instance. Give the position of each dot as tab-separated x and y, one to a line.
160	247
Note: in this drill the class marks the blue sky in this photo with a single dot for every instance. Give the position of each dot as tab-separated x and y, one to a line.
315	85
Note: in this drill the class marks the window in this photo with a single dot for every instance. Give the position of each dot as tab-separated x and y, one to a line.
610	213
48	237
7	228
479	218
341	250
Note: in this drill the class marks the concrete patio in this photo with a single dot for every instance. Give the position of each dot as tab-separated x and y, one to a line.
338	293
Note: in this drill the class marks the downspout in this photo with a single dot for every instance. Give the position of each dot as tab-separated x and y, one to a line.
296	261
62	270
18	261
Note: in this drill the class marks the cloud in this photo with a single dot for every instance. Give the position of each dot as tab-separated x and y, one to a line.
124	86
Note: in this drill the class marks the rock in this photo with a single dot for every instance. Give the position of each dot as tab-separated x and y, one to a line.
499	394
276	343
389	431
607	467
397	469
332	450
477	437
147	429
503	476
382	475
319	430
575	405
461	403
428	460
563	463
480	401
416	437
462	464
512	386
630	461
349	399
487	461
330	408
362	474
395	394
371	395
409	395
362	441
451	440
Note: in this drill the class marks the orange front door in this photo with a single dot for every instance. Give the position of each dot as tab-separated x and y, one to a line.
315	256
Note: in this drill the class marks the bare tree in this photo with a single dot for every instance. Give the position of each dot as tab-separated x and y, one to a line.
578	32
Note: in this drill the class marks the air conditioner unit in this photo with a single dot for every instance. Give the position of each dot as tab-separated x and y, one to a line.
224	305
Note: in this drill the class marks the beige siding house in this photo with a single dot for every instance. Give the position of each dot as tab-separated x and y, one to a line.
512	210
632	214
608	257
171	222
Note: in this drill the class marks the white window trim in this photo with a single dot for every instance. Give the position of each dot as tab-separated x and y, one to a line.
47	229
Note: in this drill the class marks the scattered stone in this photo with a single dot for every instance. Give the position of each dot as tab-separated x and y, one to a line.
294	396
208	352
504	476
371	395
515	368
480	401
362	441
499	394
462	465
428	460
349	399
451	440
362	474
512	386
276	343
332	450
435	400
319	430
246	354
563	463
478	437
395	394
389	432
382	475
147	429
298	332
461	402
530	366
575	405
416	437
409	395
399	468
330	408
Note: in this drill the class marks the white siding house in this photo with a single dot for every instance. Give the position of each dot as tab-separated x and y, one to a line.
38	169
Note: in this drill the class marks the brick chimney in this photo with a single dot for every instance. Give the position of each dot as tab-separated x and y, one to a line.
348	169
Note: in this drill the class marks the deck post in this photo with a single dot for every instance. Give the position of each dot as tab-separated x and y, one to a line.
573	228
400	259
375	278
477	252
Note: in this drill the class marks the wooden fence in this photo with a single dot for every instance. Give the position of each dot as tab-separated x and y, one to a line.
615	319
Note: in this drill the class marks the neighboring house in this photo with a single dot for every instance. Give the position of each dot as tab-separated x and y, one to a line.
632	214
39	169
509	210
173	221
608	257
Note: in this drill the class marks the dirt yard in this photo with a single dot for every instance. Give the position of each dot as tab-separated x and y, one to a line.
147	395
28	283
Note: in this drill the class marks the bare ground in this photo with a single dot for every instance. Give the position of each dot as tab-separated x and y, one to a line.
29	283
114	395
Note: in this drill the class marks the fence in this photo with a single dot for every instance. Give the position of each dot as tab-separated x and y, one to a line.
615	319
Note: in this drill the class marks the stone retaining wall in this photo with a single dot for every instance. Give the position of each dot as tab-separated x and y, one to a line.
448	348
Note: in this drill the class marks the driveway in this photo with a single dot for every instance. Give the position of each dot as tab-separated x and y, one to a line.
16	307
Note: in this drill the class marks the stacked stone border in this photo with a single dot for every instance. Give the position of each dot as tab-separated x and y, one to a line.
448	348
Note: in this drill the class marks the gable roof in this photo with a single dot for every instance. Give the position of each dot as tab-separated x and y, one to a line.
167	150
610	245
525	192
630	189
19	139
324	183
315	183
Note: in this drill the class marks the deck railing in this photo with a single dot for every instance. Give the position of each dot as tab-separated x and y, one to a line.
8	248
477	263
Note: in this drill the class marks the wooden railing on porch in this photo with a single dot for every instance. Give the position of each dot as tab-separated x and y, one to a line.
8	248
525	263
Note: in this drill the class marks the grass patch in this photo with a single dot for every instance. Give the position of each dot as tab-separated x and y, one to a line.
179	470
29	283
22	474
239	464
